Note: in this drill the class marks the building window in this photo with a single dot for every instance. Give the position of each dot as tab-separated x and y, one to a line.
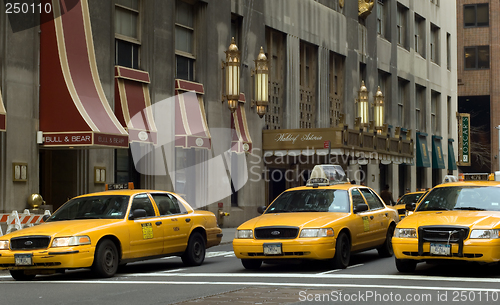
275	42
307	105
434	112
476	15
419	104
434	44
477	57
402	101
450	117
420	35
381	17
448	51
184	41
336	76
127	33
401	25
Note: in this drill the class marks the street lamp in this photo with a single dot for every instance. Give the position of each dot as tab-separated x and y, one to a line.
232	76
378	110
261	83
363	104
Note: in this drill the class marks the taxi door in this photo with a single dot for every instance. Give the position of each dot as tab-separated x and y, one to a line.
177	222
380	221
363	230
146	233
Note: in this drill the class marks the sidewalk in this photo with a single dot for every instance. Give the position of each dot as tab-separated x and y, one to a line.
228	235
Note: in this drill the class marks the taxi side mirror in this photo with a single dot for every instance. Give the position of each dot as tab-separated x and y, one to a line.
45	217
360	207
138	213
410	206
261	209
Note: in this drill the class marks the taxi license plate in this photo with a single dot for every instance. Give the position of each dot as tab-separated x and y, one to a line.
272	249
440	249
23	259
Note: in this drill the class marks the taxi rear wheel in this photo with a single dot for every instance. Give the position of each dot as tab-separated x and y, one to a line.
19	275
251	263
106	259
342	251
195	251
386	249
406	265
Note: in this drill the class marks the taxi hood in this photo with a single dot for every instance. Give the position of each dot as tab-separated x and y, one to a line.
478	219
63	227
296	219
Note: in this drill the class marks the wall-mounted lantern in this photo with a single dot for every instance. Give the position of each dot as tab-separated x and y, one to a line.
261	83
362	101
378	110
231	71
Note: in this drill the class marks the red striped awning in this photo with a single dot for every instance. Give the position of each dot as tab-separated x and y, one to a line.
3	115
191	130
241	141
74	110
133	105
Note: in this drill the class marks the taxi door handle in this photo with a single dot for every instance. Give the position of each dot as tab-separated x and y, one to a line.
386	214
188	219
158	223
371	217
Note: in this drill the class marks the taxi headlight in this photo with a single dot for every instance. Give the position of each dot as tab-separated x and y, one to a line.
308	233
70	241
485	234
244	234
4	245
405	233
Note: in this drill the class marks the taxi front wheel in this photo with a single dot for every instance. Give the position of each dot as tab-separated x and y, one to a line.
19	275
406	265
106	259
251	263
195	251
342	251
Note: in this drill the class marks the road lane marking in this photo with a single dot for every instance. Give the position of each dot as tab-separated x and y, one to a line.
301	285
354	266
326	276
174	270
330	271
218	253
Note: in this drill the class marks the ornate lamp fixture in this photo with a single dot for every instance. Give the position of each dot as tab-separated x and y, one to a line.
363	104
261	83
378	109
232	76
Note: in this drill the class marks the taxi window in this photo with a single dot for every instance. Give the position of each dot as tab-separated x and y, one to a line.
357	198
409	198
141	201
168	204
311	201
94	207
372	200
462	198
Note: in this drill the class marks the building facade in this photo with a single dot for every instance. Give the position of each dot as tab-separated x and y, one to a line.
477	74
133	91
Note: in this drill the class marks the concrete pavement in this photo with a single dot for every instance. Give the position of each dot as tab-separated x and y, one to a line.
227	235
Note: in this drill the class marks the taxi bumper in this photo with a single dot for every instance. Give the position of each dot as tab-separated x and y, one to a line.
477	250
303	248
60	258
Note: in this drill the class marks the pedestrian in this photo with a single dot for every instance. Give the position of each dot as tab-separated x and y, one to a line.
387	196
353	182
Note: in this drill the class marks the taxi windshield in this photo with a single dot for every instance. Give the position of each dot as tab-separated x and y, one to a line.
409	198
485	198
311	201
96	207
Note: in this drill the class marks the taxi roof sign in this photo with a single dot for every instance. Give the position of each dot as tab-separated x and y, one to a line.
119	186
327	174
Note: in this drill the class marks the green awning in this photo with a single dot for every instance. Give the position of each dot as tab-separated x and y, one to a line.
437	153
423	159
452	164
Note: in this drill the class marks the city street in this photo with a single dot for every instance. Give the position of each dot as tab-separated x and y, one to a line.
223	280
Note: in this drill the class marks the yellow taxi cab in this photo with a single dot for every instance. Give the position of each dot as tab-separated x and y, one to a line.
456	221
105	230
327	219
407	198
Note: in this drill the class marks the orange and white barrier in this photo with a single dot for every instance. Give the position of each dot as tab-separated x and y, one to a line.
16	221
